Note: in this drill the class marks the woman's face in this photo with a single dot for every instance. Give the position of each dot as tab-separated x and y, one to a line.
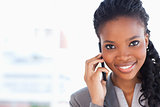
124	44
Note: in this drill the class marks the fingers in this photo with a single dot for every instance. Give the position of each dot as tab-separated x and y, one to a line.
96	57
99	72
95	76
104	85
95	85
91	64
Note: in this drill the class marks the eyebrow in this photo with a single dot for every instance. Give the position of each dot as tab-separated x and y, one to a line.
134	37
128	39
108	41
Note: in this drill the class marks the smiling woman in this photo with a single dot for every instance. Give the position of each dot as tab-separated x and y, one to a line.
122	30
122	50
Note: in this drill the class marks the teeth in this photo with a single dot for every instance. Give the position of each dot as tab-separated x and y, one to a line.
125	67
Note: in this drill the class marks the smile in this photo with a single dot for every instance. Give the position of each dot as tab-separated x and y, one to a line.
126	68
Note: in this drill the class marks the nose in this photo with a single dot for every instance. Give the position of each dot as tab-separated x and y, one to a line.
123	55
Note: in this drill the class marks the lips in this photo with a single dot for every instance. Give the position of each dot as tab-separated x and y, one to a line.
125	68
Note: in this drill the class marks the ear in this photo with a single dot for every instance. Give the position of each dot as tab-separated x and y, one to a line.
146	39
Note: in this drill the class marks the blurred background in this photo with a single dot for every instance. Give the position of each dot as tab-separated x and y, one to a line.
43	48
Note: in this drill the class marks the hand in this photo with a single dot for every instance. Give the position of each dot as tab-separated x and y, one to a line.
96	87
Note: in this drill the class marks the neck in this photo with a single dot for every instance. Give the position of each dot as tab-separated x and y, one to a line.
126	85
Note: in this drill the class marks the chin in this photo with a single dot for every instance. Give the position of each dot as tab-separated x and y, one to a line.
126	76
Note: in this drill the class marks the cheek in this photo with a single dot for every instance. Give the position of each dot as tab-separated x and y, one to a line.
140	52
108	57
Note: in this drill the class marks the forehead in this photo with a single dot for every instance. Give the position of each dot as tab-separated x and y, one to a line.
121	27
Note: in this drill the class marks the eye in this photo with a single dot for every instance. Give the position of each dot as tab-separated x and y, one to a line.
110	47
134	43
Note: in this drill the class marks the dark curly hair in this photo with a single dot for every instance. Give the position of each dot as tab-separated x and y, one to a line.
150	71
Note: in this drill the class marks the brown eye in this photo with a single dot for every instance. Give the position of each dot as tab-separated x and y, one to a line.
110	47
134	43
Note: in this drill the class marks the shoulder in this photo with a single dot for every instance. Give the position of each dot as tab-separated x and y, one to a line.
80	98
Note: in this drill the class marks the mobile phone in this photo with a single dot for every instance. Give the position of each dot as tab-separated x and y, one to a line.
102	64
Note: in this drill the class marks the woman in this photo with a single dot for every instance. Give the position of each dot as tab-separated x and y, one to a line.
121	26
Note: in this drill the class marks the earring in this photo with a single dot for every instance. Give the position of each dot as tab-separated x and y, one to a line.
147	49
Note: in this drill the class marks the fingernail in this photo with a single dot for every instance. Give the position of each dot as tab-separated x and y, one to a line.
100	54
